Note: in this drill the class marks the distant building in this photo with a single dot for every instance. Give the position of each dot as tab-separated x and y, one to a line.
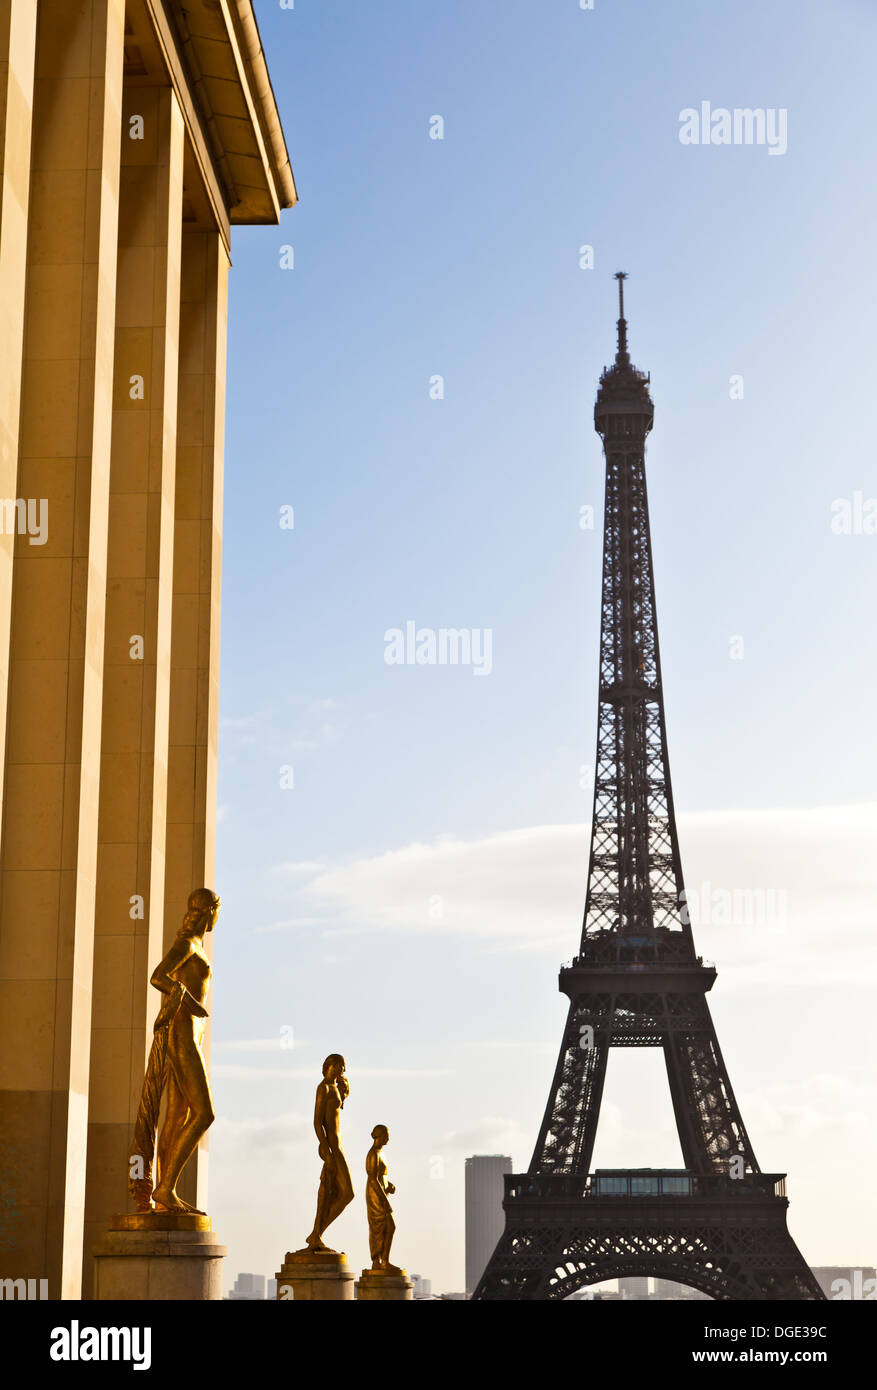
634	1286
592	1295
271	1290
484	1214
669	1289
840	1282
453	1297
249	1288
422	1287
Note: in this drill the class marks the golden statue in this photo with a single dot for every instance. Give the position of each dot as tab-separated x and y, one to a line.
336	1185
176	1065
381	1226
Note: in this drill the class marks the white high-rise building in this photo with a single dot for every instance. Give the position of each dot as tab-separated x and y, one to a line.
634	1286
485	1218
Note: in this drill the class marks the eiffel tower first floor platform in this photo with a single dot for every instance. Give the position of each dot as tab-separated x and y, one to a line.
727	1238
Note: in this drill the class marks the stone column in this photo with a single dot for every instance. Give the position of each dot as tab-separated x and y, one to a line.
133	766
194	673
49	842
18	36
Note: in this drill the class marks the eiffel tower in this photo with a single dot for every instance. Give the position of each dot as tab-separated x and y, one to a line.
718	1224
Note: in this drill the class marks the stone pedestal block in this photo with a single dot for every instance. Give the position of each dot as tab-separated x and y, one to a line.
315	1276
373	1286
158	1256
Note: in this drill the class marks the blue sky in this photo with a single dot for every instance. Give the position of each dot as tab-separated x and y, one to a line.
437	827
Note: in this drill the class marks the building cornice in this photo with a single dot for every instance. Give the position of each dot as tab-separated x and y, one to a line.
214	56
267	105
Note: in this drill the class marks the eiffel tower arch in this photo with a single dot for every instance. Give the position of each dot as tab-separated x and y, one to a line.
719	1223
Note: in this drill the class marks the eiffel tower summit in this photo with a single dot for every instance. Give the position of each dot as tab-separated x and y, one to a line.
718	1224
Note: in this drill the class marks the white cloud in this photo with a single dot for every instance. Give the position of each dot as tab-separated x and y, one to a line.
834	1108
244	721
802	883
259	1136
280	1043
271	728
511	885
494	1134
290	923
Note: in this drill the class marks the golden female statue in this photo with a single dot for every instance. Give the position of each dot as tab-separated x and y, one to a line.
336	1185
381	1226
176	1065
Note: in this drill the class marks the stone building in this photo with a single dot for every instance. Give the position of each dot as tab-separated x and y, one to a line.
133	135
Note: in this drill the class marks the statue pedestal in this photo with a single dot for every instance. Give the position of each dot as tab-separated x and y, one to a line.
373	1286
315	1276
158	1256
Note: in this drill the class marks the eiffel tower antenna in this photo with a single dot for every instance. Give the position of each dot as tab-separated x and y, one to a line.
621	356
718	1224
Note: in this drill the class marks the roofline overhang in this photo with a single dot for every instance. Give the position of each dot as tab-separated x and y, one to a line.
267	185
263	91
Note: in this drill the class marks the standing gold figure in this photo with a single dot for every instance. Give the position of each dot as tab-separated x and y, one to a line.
336	1185
176	1064
381	1226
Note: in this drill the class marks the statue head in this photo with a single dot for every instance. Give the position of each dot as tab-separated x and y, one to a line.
381	1135
202	911
333	1072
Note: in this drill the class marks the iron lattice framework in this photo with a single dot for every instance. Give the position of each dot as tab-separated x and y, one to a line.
637	981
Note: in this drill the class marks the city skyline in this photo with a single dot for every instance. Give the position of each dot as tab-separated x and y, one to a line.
839	1282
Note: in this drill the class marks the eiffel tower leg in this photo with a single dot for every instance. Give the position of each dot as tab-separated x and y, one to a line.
569	1127
519	1268
711	1130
